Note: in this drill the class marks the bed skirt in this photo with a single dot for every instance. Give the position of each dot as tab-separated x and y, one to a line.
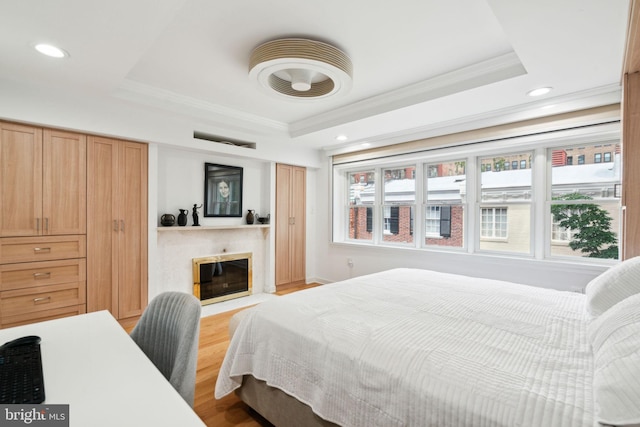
278	407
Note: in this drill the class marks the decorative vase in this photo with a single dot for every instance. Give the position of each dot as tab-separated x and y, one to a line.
182	218
167	220
250	217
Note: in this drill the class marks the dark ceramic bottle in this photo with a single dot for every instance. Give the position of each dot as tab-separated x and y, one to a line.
182	218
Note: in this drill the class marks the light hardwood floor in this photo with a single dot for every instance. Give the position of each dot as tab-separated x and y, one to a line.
214	340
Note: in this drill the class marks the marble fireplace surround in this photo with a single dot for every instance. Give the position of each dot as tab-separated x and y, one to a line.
178	246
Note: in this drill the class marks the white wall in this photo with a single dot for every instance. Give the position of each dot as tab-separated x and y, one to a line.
180	183
177	183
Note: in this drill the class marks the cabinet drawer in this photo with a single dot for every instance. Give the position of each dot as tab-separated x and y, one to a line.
31	274
45	248
41	298
41	316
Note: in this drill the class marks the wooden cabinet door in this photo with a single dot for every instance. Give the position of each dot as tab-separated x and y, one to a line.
20	180
132	280
102	225
298	234
64	169
283	220
290	224
117	227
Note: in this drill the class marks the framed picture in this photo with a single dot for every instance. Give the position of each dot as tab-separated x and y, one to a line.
222	191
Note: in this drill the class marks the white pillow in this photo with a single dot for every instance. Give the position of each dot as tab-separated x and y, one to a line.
615	338
612	286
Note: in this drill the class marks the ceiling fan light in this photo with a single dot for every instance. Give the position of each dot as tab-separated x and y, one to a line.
301	69
301	80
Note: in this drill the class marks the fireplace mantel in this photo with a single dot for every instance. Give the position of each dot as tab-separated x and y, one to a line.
263	227
177	246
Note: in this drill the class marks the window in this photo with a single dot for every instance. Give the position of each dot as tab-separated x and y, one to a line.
399	201
494	223
432	221
486	201
445	197
585	214
361	201
511	191
560	233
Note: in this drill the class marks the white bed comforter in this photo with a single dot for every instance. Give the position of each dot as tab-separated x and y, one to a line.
410	347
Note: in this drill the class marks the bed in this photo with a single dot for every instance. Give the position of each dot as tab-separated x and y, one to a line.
411	347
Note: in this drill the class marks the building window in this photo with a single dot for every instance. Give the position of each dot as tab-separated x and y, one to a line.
581	159
493	223
607	157
523	164
432	221
514	164
569	160
560	233
597	158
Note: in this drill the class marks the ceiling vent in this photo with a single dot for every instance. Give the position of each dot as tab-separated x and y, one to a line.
223	140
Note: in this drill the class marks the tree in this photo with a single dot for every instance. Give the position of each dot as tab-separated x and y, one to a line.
498	164
593	224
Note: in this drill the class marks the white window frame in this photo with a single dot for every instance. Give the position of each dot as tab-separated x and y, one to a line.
541	222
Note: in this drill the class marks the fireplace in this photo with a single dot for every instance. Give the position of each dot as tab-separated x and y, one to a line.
222	277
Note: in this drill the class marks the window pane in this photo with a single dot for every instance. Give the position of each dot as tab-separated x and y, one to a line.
398	224
505	211
362	192
399	199
444	211
400	186
585	215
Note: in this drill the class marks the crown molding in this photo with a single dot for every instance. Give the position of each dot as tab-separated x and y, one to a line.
480	74
596	97
214	114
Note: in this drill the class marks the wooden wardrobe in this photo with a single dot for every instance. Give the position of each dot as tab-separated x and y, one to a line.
290	221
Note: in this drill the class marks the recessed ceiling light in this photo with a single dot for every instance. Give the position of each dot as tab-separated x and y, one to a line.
50	50
539	92
342	137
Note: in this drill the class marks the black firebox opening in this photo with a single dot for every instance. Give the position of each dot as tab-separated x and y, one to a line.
223	278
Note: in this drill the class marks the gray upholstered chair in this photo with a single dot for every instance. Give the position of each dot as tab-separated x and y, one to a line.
168	333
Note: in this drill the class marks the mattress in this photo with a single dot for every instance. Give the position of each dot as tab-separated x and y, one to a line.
410	347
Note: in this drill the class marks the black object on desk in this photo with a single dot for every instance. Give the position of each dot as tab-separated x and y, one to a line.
21	378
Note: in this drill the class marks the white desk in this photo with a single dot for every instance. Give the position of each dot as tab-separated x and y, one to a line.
92	364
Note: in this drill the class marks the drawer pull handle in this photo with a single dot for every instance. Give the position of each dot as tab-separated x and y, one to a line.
41	275
43	250
42	300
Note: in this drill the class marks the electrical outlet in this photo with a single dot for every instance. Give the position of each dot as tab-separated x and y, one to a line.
350	262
